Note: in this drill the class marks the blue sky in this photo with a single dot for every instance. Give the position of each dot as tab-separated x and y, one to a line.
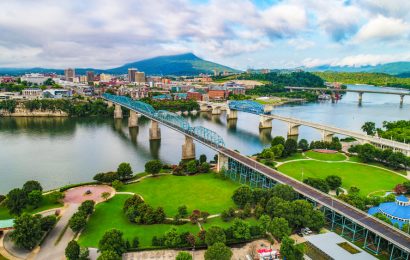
239	33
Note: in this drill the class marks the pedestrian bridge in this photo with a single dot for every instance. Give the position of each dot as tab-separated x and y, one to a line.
354	224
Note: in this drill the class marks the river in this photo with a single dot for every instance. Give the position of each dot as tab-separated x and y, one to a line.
60	151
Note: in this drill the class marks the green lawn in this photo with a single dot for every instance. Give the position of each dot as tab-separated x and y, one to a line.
47	203
109	215
220	223
203	191
357	159
295	156
326	156
367	178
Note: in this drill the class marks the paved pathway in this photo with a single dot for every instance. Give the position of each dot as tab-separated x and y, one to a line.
48	249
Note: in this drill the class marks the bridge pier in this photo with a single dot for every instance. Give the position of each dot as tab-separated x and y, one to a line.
293	129
109	103
327	136
360	97
154	131
401	100
265	122
267	108
216	110
133	119
203	107
231	114
188	149
222	162
117	111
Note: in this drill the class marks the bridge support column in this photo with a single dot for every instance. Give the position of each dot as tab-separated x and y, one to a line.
231	114
216	110
222	162
109	103
188	149
265	122
401	100
327	136
293	129
117	111
154	131
360	97
133	119
267	108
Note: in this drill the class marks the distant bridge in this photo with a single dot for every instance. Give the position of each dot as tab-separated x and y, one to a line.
359	91
355	224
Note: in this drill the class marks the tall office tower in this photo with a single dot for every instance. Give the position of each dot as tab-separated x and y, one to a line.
131	74
69	74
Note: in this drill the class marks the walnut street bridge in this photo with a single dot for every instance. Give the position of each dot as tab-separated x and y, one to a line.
352	223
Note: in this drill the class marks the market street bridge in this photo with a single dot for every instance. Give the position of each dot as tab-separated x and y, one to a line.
354	224
358	91
327	132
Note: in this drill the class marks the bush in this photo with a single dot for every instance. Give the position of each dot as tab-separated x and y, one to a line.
242	195
135	242
72	251
107	177
317	183
183	256
48	222
113	241
87	207
333	181
182	211
34	198
218	251
78	221
109	255
117	185
214	235
153	167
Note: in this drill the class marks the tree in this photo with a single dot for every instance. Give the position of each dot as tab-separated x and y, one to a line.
72	251
78	221
183	256
190	239
284	192
277	150
27	231
182	211
35	197
242	195
369	128
172	238
289	250
333	181
279	228
113	241
291	146
87	207
16	201
153	167
135	242
317	183
48	222
303	145
214	235
105	195
124	171
191	167
278	140
202	158
204	216
117	184
109	255
241	229
84	253
159	215
29	186
218	251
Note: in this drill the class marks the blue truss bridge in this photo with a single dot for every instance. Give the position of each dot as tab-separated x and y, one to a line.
352	223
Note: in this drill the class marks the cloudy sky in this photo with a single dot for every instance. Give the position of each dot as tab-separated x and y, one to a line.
239	33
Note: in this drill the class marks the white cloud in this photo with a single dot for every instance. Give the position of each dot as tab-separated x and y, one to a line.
382	28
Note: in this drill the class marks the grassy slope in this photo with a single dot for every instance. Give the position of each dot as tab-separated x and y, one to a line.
292	157
220	223
326	156
367	178
204	192
109	215
45	204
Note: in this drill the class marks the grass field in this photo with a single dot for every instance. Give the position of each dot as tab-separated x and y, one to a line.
220	223
366	178
47	203
295	156
357	159
203	191
326	156
109	215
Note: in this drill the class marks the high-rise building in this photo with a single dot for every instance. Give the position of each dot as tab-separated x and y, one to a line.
131	74
69	74
139	77
105	77
90	76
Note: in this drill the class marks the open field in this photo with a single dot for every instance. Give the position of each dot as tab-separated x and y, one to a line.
366	178
220	223
109	215
47	203
203	191
326	156
294	156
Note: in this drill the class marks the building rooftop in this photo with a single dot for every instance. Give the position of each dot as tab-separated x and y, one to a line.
402	198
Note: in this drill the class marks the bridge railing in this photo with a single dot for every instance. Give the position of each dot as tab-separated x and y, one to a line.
203	134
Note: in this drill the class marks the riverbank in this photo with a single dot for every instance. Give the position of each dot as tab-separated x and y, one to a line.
20	111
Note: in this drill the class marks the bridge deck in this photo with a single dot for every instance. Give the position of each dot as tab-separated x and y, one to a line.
360	217
352	90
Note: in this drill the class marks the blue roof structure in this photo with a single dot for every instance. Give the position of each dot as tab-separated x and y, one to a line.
397	211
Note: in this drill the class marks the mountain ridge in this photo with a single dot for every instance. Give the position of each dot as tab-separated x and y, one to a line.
187	64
